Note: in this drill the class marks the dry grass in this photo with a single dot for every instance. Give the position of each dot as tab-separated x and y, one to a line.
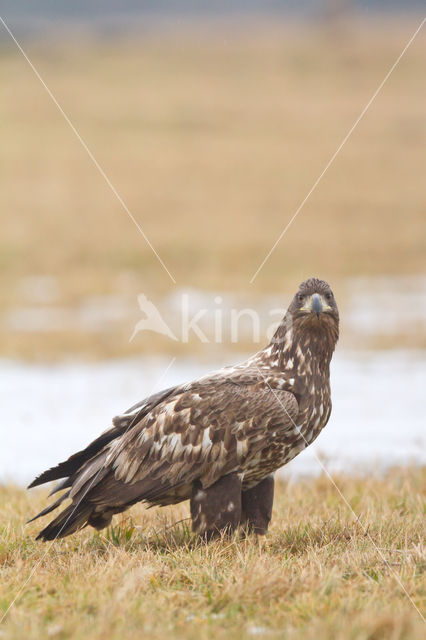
212	137
319	575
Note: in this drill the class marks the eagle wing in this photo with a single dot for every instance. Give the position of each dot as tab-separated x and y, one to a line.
120	424
201	431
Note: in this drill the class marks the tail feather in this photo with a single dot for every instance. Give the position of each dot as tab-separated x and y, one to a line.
121	424
95	493
62	484
80	510
74	462
50	507
71	519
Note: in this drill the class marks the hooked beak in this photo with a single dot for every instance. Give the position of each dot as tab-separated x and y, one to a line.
316	304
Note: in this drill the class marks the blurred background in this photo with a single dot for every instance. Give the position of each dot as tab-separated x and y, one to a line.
212	120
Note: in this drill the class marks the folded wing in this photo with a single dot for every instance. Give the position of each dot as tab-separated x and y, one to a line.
202	431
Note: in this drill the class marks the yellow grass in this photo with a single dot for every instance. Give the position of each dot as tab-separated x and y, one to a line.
212	137
319	574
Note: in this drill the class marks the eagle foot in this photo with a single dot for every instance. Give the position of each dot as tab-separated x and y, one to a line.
256	506
218	510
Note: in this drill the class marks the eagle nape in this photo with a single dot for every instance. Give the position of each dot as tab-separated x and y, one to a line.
215	441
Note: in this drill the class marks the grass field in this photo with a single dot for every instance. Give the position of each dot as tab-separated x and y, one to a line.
318	575
212	136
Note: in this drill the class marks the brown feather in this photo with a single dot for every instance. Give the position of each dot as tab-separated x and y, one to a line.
246	420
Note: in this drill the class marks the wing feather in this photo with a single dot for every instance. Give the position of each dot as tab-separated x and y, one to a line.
219	427
120	424
200	431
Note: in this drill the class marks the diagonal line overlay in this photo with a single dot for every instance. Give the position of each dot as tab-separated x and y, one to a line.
89	152
336	153
36	566
339	491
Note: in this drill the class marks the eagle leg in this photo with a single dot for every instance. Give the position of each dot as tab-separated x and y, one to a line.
217	509
256	506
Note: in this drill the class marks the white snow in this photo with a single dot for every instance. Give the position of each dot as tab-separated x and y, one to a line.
47	412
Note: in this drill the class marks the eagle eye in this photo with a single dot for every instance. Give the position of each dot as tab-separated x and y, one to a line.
300	297
329	296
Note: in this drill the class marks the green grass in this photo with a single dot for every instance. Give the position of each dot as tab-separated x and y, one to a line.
317	575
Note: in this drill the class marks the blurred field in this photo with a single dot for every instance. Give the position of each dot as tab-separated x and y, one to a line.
319	575
212	136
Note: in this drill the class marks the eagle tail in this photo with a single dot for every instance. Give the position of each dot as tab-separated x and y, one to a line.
71	519
120	425
75	462
51	507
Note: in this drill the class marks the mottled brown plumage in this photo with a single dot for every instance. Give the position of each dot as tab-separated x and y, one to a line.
215	441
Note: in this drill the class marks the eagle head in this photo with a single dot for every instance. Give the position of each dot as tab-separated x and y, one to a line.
314	311
314	301
312	319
